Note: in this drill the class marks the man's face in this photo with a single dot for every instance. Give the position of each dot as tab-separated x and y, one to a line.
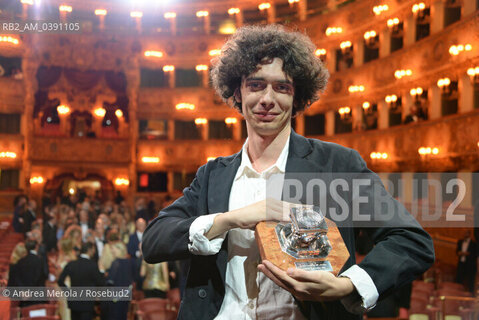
267	99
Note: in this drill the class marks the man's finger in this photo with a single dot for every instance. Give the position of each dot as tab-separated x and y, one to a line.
269	274
304	276
280	274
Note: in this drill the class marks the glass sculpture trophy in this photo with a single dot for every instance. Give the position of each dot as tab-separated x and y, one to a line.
310	241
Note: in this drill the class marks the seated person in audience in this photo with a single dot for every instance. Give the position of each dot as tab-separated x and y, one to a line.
416	114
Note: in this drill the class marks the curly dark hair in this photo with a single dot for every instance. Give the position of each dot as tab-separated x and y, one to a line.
250	45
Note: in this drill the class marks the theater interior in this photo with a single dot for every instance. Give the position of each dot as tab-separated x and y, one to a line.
111	101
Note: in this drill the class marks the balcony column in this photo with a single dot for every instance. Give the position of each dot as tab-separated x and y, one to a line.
203	129
384	42
271	14
303	10
205	79
434	95
29	69
65	125
329	123
407	103
406	192
437	16
409	30
467	178
330	60
300	124
133	80
96	125
171	129
383	115
170	181
173	25
122	127
171	79
358	52
357	115
469	7
239	19
207	24
466	94
237	131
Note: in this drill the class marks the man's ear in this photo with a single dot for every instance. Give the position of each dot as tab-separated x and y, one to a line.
237	95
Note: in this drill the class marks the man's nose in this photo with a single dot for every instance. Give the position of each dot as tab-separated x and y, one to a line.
267	100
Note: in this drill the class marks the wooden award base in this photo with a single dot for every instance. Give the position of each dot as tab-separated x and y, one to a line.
270	248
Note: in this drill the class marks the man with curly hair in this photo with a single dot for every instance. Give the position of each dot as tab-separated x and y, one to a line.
271	74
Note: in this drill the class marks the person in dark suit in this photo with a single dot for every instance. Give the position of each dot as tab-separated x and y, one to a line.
50	233
135	252
29	216
270	74
467	261
83	273
30	271
20	203
120	275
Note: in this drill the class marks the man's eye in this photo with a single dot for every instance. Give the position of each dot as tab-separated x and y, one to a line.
255	85
284	88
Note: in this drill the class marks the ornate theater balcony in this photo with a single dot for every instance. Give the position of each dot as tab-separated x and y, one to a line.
188	155
79	150
448	144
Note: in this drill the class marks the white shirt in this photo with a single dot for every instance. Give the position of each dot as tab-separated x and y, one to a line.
249	294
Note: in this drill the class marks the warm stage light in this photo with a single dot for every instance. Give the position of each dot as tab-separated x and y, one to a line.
170	15
63	109
231	120
201	67
185	106
168	68
36	180
100	112
65	8
122	182
200	14
9	40
118	113
200	121
320	52
333	30
156	54
214	52
150	159
136	14
345	44
29	2
100	12
264	6
8	154
232	11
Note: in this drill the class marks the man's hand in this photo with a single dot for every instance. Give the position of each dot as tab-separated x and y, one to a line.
308	285
249	216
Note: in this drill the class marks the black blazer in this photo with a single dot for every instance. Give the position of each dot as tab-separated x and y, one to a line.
29	272
83	273
133	245
399	256
471	258
49	236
